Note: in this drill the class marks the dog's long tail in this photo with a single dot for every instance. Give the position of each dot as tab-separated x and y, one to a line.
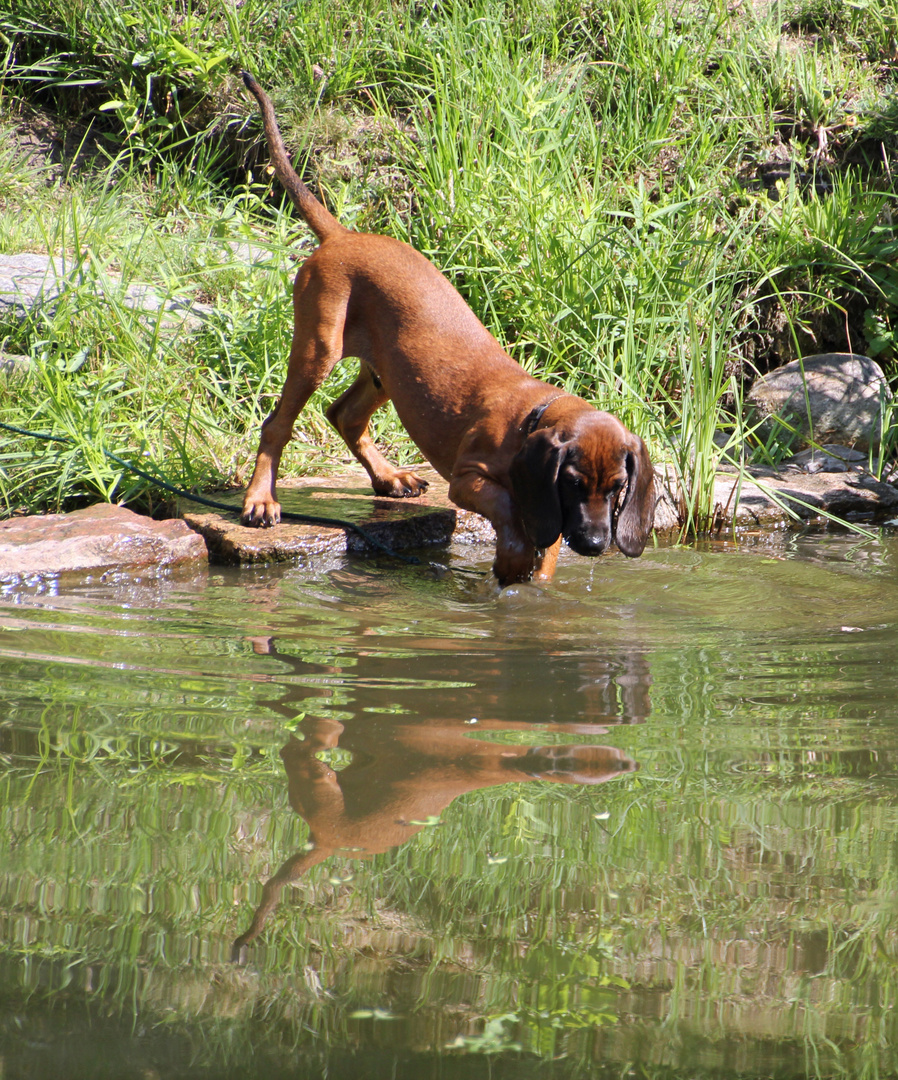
319	219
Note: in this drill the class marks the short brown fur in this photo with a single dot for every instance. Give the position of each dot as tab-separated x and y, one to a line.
539	464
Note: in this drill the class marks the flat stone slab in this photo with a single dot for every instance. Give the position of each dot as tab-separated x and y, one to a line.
850	493
94	540
398	524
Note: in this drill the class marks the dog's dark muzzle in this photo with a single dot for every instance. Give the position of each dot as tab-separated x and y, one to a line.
589	543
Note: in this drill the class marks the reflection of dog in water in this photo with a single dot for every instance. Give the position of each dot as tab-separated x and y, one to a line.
402	774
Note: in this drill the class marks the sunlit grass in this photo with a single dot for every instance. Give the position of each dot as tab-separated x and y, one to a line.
579	174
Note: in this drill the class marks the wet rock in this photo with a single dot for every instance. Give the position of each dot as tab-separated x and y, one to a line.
761	497
398	524
830	398
826	459
231	543
110	538
96	539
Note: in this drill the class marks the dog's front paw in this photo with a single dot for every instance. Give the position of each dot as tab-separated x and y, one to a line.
513	568
260	513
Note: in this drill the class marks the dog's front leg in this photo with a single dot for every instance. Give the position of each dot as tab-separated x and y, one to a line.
516	558
317	346
260	505
544	568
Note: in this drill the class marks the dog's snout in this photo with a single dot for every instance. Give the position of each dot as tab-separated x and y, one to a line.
588	543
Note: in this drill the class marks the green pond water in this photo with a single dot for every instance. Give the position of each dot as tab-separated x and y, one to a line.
373	820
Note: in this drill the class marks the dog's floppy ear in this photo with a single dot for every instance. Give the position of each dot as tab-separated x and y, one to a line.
534	484
637	514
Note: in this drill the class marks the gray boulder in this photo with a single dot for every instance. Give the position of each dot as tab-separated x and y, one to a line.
30	281
14	364
830	398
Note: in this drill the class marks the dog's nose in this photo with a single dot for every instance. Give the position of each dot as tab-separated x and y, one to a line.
588	543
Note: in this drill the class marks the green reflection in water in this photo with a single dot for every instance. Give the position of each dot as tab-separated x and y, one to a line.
729	907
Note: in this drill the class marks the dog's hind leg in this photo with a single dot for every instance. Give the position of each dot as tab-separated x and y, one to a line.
350	415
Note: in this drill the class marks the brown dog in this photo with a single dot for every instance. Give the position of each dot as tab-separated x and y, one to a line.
538	463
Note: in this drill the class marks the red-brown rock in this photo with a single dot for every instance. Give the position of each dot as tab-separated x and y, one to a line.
98	538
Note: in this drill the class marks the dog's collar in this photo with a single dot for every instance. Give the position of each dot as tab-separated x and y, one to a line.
533	418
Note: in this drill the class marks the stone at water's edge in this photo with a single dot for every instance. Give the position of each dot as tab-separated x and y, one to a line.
757	500
104	537
94	540
830	398
398	524
760	497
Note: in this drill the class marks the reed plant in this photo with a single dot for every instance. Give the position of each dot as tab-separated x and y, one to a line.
586	176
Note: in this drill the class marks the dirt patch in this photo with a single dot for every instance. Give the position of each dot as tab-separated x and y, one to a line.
779	329
54	150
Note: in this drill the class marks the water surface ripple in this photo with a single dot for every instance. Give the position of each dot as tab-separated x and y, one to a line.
388	821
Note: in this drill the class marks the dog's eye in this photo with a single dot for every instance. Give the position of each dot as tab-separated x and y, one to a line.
616	488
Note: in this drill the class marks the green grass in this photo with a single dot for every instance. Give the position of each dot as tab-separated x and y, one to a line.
585	174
